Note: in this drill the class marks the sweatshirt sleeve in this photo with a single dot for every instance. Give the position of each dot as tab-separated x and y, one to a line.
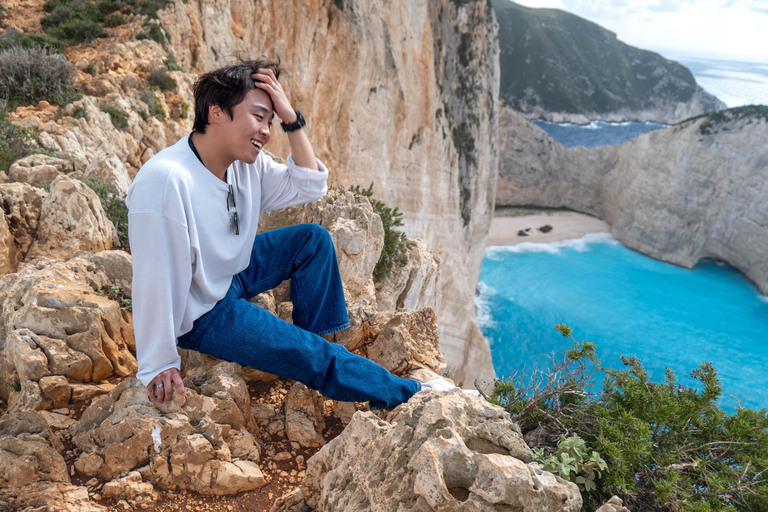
162	274
289	185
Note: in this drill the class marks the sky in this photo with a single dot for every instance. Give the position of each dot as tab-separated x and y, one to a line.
717	29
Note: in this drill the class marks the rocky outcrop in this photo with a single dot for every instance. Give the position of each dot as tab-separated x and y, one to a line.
56	324
693	191
562	68
444	451
399	94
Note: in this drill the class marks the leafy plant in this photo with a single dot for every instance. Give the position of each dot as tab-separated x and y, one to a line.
118	117
117	294
15	142
154	32
396	244
155	107
12	38
573	462
113	206
666	446
29	75
171	64
160	78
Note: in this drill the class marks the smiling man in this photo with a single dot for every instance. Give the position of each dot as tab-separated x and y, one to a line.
197	260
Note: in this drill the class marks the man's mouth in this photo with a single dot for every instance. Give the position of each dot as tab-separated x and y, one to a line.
257	144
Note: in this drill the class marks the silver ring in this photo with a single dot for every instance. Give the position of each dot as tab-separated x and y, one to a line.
274	84
158	385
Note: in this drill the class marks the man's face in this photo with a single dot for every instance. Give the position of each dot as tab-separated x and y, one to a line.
249	129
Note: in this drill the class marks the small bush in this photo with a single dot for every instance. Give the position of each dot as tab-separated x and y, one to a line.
184	110
15	142
171	64
160	78
91	69
154	32
118	117
114	20
15	39
155	107
113	206
28	75
666	446
396	244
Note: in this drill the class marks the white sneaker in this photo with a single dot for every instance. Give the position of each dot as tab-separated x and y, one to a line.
443	385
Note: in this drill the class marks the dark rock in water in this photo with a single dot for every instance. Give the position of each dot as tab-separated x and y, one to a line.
522	232
546	229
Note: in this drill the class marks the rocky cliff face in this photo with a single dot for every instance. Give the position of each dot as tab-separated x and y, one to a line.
692	191
560	67
399	94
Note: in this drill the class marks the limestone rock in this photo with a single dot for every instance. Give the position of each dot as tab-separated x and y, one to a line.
71	220
407	341
414	286
56	324
304	416
439	451
109	168
615	504
57	389
53	497
88	464
138	494
22	205
39	170
192	443
681	194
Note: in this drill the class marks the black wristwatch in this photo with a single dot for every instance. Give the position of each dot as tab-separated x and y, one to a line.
296	125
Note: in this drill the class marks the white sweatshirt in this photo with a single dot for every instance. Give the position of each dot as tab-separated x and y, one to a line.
184	252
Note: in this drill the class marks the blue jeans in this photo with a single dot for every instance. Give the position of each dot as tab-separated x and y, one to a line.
237	330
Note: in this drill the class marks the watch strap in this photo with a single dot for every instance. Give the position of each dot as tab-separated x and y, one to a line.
296	125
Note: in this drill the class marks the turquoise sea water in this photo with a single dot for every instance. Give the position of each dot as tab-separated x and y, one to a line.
628	304
596	133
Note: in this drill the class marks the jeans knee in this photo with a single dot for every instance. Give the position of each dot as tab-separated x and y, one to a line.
318	233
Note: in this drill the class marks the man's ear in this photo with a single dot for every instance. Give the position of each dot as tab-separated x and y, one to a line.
214	113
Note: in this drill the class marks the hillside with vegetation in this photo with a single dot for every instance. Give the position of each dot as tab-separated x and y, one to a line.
555	64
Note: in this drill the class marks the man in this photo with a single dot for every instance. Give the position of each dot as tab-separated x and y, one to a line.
193	212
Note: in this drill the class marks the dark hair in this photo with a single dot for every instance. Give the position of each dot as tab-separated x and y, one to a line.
226	87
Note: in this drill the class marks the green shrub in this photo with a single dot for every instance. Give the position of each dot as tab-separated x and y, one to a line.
184	110
396	244
171	64
114	20
28	75
90	69
160	78
155	107
15	142
15	39
154	32
118	117
667	446
113	206
72	21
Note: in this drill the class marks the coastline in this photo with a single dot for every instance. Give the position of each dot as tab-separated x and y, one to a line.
566	225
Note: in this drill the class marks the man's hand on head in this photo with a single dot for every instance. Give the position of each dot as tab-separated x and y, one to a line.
266	81
160	388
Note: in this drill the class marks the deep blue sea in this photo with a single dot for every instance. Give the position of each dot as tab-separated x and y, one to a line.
596	133
628	304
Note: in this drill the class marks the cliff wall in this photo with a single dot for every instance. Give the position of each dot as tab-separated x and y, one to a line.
401	94
692	191
560	67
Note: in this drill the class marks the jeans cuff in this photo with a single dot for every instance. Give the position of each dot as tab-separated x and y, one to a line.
335	329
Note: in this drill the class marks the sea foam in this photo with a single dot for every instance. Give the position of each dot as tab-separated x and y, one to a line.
579	244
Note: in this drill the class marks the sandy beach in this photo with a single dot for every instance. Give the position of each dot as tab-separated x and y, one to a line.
565	225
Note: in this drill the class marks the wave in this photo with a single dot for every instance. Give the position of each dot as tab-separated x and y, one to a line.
763	298
598	125
483	313
494	252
